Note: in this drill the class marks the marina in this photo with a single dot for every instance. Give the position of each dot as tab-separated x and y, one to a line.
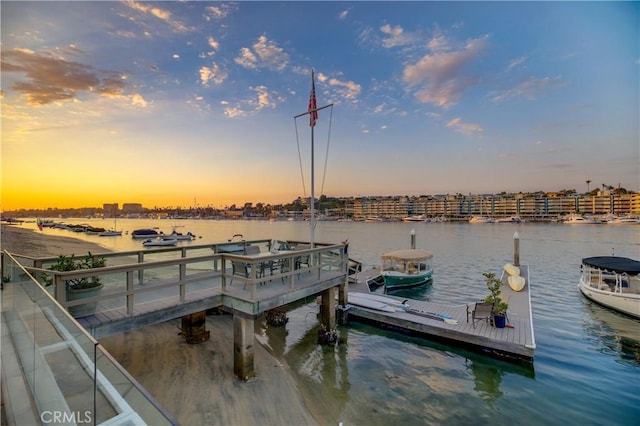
577	343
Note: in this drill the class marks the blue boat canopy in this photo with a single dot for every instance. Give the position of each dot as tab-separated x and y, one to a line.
620	265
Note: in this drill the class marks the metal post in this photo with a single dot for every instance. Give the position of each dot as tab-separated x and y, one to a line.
413	239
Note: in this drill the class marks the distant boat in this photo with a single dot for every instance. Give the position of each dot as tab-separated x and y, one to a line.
92	230
160	242
179	236
512	219
415	218
624	220
373	219
613	282
481	219
576	219
144	233
112	232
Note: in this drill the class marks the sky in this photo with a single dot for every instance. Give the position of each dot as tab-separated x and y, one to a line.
192	104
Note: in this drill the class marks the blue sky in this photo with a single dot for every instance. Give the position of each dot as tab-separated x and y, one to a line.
183	103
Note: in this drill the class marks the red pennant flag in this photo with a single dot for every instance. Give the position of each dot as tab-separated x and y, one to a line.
313	113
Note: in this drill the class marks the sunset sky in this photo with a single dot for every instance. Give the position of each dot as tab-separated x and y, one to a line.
192	103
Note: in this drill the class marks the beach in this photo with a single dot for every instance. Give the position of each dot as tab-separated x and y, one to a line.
194	383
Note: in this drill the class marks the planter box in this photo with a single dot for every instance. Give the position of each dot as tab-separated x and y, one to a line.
79	311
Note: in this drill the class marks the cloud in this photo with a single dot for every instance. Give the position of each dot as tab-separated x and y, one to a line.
247	59
137	99
213	75
263	54
343	14
233	112
162	14
529	88
218	11
396	36
51	79
515	62
264	99
438	76
346	89
465	128
213	43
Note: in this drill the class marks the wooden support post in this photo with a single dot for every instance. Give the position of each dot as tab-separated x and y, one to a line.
328	308
243	349
516	249
194	327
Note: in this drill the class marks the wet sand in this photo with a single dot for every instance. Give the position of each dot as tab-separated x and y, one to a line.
194	383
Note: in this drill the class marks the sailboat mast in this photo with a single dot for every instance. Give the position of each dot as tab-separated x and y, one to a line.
312	110
313	215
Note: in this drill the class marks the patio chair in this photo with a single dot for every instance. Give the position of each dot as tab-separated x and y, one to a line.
240	269
302	260
481	311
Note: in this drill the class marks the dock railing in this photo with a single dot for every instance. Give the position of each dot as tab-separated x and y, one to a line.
131	278
53	371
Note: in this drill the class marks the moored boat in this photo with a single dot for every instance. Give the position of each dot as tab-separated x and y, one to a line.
415	218
144	233
512	219
406	268
160	242
481	219
623	220
110	233
576	219
612	281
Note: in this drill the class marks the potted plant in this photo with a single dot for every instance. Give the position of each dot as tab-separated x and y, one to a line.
494	285
79	288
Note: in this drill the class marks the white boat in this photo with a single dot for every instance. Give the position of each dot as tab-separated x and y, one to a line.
512	219
181	237
373	219
110	233
406	268
415	218
481	219
576	219
613	282
160	242
622	221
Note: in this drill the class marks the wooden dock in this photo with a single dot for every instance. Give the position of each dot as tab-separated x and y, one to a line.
514	343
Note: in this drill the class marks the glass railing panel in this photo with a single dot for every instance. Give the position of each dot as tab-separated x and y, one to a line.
129	399
58	360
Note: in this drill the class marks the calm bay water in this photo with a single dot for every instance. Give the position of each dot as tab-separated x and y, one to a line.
587	362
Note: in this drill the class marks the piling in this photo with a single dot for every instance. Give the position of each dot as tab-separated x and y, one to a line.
516	249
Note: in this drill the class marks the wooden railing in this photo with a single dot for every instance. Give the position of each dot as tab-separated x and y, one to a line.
130	278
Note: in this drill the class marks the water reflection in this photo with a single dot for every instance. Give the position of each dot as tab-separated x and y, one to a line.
322	368
615	333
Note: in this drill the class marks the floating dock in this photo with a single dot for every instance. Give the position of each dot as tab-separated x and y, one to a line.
454	325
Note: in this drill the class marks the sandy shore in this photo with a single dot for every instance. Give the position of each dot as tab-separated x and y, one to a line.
32	243
194	383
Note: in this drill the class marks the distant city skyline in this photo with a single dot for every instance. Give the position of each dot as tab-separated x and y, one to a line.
185	103
603	189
